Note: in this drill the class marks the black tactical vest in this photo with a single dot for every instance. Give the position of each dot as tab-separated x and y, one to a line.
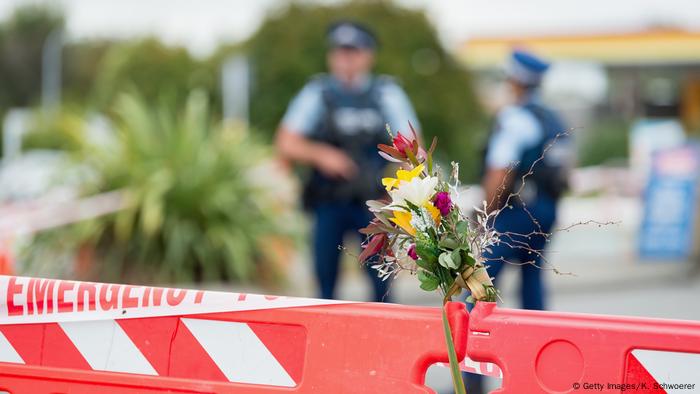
355	123
549	172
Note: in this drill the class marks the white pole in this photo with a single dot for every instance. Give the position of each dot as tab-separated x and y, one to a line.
235	88
51	71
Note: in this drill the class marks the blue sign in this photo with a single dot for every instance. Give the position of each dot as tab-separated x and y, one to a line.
669	204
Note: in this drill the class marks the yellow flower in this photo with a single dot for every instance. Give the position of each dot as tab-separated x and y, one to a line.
402	176
403	218
434	212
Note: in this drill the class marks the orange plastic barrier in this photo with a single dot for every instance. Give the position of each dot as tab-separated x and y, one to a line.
337	348
78	337
548	352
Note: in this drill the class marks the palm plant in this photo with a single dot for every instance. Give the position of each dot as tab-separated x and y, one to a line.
196	209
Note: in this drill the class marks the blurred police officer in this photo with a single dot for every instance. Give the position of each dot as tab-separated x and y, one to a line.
521	134
334	125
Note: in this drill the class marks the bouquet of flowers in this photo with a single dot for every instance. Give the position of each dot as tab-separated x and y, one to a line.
421	230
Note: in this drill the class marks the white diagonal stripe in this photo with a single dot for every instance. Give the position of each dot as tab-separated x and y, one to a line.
670	367
8	354
106	347
238	352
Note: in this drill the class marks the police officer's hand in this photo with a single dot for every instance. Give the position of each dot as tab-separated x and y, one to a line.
334	163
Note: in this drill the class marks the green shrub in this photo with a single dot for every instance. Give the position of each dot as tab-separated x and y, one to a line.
63	130
195	210
605	141
159	72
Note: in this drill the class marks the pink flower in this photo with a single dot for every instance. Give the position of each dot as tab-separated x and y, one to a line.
443	203
412	252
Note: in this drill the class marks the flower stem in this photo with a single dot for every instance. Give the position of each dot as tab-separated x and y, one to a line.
457	381
454	289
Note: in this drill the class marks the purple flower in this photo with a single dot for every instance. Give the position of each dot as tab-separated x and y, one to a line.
412	252
443	203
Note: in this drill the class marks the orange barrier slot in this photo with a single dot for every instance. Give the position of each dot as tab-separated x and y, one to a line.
550	352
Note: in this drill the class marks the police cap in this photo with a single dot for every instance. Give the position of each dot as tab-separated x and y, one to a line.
347	34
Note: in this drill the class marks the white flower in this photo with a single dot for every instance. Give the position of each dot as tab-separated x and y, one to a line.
423	221
418	191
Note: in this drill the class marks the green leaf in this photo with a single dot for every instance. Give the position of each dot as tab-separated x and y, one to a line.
427	252
433	145
428	281
404	207
433	235
467	258
430	163
457	381
424	264
448	243
413	207
462	227
449	278
412	157
456	257
446	261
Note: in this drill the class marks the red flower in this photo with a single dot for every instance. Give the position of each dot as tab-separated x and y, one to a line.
402	143
400	146
374	246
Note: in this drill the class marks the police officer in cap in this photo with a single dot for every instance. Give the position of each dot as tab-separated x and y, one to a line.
333	125
523	133
520	135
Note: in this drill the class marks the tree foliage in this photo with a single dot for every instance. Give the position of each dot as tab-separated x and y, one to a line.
284	55
22	39
159	72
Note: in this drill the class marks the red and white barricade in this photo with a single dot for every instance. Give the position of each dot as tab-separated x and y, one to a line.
78	337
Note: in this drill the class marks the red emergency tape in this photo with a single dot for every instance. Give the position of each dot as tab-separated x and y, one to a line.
550	352
34	300
335	348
